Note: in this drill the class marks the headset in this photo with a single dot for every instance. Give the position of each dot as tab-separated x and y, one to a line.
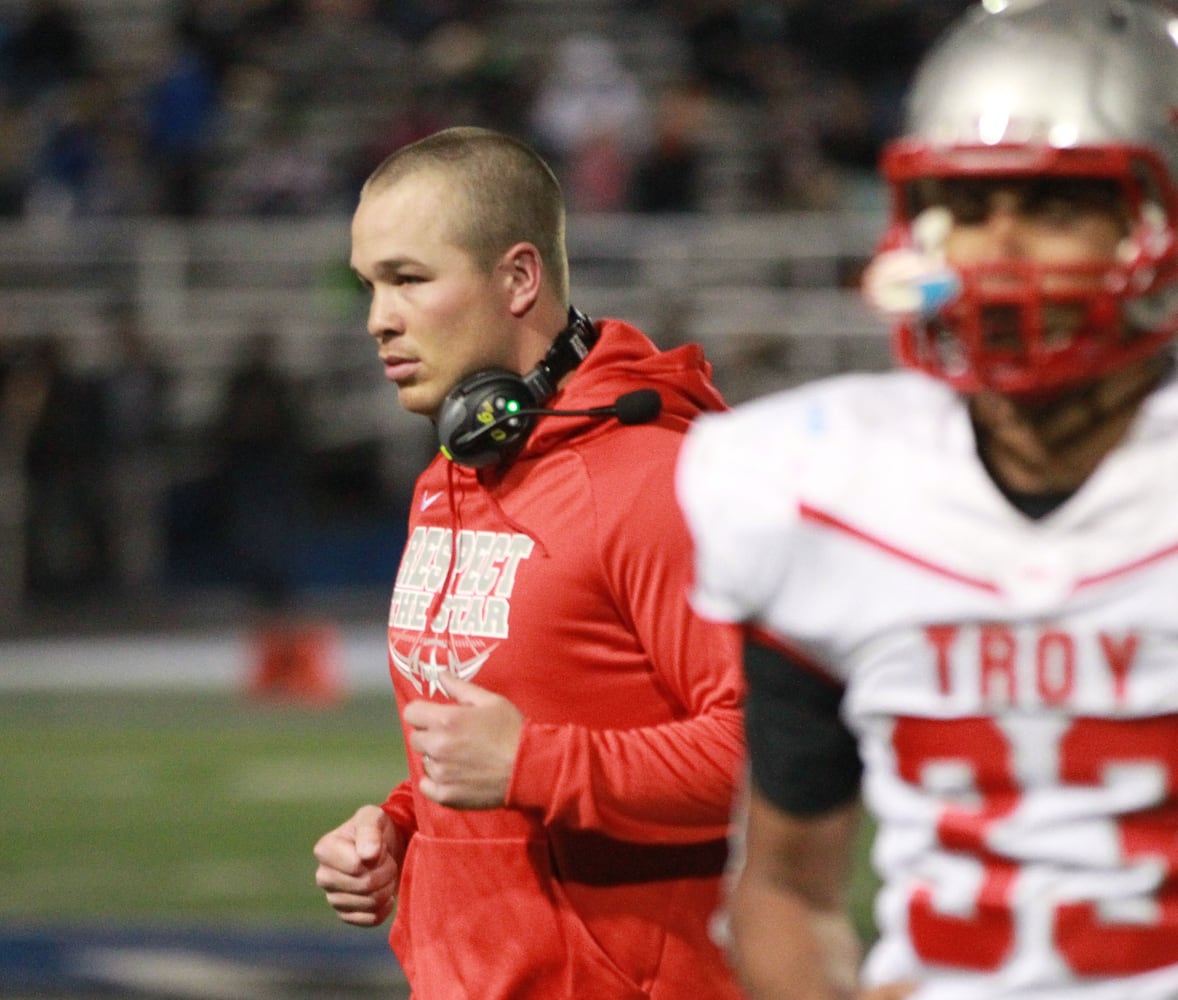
486	418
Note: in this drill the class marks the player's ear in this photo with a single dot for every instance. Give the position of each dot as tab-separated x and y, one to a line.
522	273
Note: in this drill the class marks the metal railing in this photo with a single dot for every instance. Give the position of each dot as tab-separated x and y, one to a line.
772	298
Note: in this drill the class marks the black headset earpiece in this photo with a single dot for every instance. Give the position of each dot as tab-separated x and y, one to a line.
477	401
475	422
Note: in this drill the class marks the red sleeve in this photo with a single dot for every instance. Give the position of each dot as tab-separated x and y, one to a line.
668	783
399	808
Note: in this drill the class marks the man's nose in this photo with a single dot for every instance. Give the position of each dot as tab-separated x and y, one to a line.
383	316
1004	226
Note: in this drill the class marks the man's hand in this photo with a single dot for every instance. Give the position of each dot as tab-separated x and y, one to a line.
468	747
357	867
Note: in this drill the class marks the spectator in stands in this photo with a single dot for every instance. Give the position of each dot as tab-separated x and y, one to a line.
46	49
262	448
800	106
667	176
422	113
181	111
69	169
869	49
134	387
283	174
258	440
67	552
716	34
22	395
218	30
17	154
590	117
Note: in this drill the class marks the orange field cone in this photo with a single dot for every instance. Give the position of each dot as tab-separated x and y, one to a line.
296	661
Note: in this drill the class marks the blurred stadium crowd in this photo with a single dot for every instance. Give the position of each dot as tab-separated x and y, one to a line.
277	109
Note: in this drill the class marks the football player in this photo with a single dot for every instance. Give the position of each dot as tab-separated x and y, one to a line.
961	580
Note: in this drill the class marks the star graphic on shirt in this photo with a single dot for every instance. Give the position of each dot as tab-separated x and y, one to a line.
421	667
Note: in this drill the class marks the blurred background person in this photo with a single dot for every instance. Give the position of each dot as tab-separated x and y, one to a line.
259	449
135	389
591	118
67	532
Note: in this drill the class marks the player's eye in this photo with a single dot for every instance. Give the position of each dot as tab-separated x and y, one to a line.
1064	201
967	201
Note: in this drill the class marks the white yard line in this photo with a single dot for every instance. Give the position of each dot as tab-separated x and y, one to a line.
219	660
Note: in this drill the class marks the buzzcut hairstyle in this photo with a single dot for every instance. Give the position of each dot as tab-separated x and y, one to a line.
510	195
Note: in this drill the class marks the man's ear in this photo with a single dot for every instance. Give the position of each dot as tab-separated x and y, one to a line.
523	274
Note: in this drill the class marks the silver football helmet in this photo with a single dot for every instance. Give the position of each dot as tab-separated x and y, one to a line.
1030	89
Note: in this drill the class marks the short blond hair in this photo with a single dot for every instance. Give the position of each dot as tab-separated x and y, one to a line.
510	195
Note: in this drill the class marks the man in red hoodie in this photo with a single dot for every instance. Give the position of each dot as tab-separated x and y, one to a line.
573	729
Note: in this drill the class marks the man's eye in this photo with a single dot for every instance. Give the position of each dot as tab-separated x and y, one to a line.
1056	211
968	208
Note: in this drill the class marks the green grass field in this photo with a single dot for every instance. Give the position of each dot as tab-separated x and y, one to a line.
182	808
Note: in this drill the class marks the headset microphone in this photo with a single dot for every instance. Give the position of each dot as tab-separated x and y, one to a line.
637	407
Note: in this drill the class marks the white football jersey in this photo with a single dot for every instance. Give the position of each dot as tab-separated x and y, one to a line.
1013	682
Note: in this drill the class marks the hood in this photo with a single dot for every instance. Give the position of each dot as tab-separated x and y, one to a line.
622	360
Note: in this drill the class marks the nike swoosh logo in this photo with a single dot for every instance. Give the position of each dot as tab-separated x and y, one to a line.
429	499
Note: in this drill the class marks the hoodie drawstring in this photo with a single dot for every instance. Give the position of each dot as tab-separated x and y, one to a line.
435	605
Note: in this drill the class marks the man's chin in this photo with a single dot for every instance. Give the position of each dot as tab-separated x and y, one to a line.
414	400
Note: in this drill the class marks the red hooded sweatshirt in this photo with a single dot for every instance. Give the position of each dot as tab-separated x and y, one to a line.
559	582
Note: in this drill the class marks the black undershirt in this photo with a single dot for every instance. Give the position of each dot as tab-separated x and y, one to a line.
1034	505
803	758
